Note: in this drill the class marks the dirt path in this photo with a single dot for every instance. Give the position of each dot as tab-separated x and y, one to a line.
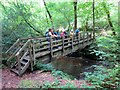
11	80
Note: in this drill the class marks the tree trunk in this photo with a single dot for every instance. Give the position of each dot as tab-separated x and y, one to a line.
50	16
93	18
109	18
75	14
46	18
31	25
86	24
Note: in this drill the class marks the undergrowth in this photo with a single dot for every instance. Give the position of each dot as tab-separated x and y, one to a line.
106	74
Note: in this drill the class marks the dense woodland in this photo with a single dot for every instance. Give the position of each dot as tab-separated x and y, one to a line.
22	19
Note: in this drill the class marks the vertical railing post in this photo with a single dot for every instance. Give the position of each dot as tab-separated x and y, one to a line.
30	54
78	40
72	44
19	65
51	48
40	43
33	52
63	45
83	38
90	35
87	37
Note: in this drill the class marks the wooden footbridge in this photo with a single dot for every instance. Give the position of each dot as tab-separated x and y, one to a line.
24	52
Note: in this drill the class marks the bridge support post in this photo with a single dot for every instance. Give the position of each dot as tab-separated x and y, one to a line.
19	65
63	46
72	44
31	56
79	40
87	38
82	39
51	48
33	51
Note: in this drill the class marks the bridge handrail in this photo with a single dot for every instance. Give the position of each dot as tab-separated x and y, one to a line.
24	46
13	45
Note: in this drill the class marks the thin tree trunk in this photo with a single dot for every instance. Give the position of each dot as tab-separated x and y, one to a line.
93	18
50	16
75	14
31	25
47	18
109	18
86	24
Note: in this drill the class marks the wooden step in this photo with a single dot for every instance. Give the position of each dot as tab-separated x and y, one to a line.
23	62
24	65
15	71
16	67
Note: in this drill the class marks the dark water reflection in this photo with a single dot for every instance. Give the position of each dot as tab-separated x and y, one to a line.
73	65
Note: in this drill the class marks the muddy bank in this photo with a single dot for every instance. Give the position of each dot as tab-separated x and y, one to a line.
36	79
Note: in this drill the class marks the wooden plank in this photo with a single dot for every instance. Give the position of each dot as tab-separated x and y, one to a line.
67	38
57	41
67	42
33	51
25	68
41	45
19	65
40	54
51	47
41	49
60	48
27	57
30	55
35	38
79	40
75	40
75	43
67	46
63	43
24	46
72	45
57	45
24	55
83	39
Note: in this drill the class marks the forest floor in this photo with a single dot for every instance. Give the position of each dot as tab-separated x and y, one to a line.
11	80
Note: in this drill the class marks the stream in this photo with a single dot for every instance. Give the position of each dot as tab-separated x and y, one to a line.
74	65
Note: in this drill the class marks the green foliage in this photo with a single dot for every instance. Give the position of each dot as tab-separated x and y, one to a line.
45	85
56	84
28	84
45	67
103	77
62	75
104	49
97	76
68	85
51	85
109	46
